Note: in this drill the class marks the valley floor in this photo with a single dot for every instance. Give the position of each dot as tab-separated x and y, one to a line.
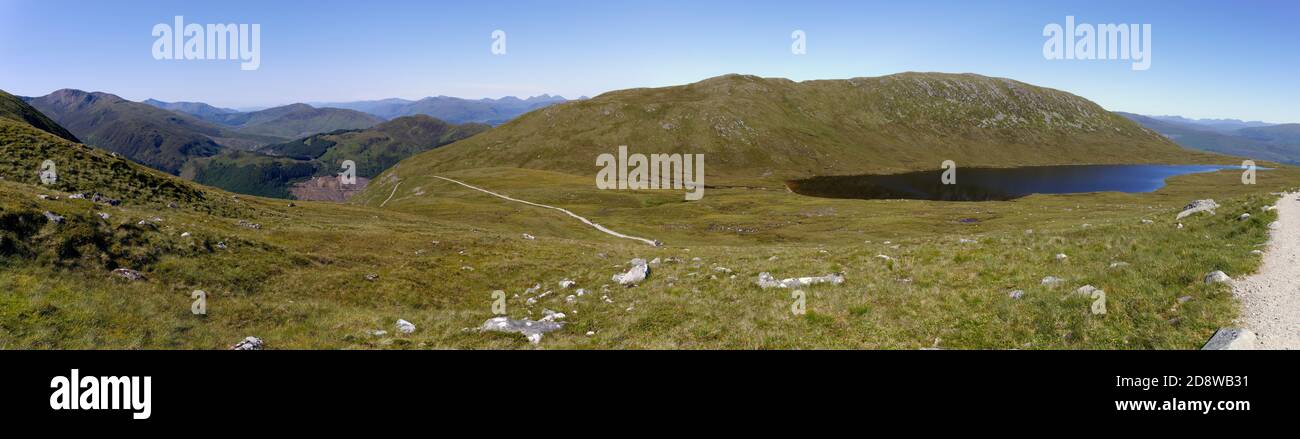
917	274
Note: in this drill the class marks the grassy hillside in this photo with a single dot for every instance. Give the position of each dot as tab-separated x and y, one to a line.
158	138
15	109
750	127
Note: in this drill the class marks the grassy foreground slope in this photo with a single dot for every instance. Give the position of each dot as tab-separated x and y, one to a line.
750	127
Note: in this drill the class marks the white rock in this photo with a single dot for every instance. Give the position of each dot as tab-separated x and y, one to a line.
635	275
1274	225
529	237
1216	277
1147	221
1085	291
765	281
570	298
1118	264
532	330
1206	205
1243	217
249	344
405	327
1051	281
1016	294
1231	339
1060	257
566	284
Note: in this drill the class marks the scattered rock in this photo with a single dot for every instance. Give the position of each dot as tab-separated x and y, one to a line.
722	270
1231	339
221	245
635	275
249	344
247	224
1180	225
1215	277
884	257
47	197
54	218
551	316
104	200
532	330
1184	299
185	235
1016	294
372	277
1147	221
966	241
1206	205
529	237
1274	225
103	215
1243	217
1085	291
128	274
1257	252
765	281
591	333
570	299
566	284
1051	281
405	327
1061	257
379	333
1268	208
1118	264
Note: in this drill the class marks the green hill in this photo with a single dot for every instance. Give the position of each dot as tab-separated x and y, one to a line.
13	108
758	128
158	138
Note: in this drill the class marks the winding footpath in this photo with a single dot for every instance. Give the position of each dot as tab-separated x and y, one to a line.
1270	299
566	211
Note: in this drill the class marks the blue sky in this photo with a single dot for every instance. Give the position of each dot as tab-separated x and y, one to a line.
1210	59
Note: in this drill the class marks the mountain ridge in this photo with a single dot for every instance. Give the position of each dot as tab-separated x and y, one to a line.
768	129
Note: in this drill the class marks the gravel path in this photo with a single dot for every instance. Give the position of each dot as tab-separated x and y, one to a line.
1270	299
599	227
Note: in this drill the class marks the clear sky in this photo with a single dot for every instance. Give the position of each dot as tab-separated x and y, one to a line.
1233	59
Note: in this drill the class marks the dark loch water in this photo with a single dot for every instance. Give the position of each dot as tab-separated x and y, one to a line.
985	184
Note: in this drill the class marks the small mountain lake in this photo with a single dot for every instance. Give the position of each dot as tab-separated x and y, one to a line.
988	184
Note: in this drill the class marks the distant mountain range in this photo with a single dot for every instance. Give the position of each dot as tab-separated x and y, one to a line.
454	110
220	147
1256	140
1220	125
